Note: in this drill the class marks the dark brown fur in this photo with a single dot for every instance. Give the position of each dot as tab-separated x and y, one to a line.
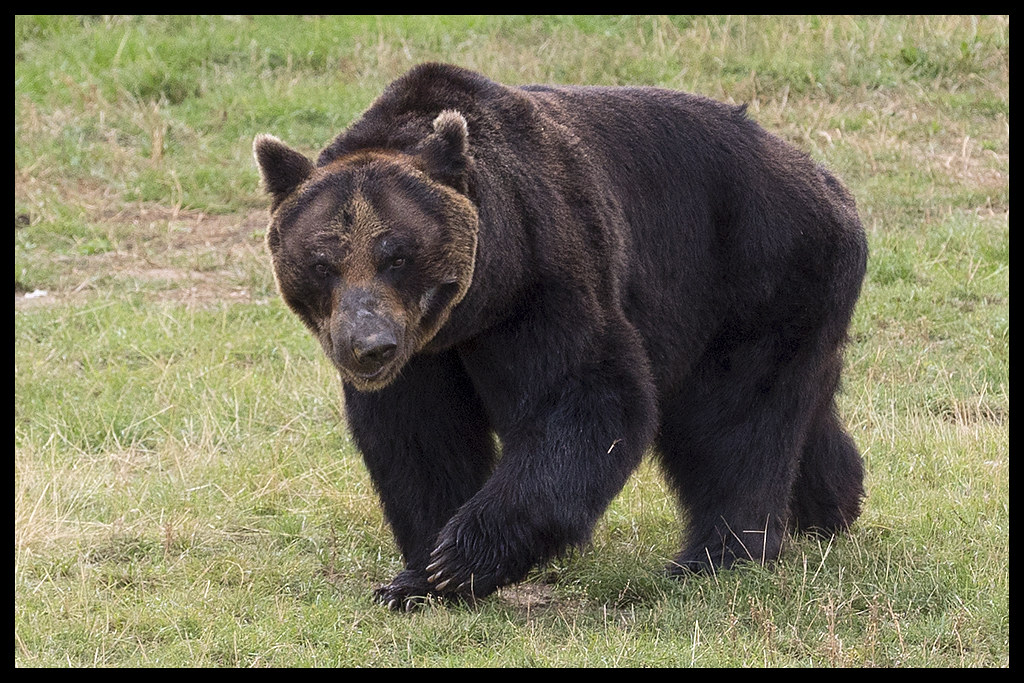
585	272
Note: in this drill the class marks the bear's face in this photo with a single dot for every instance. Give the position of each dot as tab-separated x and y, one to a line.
371	251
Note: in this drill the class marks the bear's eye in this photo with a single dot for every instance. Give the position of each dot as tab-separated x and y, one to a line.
396	262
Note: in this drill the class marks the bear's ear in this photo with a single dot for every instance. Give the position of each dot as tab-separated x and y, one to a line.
281	167
445	152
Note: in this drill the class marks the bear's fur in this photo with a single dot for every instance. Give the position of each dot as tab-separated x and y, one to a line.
584	272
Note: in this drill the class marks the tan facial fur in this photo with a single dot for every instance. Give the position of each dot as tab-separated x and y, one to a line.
343	230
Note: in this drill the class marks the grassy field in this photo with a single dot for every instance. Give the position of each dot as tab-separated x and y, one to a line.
186	494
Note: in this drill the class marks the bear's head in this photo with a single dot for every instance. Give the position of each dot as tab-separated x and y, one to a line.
373	249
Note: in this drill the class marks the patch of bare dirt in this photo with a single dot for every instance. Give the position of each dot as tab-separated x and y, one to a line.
170	254
527	596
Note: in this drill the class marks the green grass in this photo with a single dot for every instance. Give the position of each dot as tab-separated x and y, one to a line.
186	493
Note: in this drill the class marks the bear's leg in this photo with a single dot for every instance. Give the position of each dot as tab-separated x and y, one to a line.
829	486
428	448
571	436
731	440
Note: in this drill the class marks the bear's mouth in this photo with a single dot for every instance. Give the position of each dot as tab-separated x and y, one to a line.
367	376
374	370
370	380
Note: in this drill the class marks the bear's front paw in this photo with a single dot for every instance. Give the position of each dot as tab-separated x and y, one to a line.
406	592
452	576
464	565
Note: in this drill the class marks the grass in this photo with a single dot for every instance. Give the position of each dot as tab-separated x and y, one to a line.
186	493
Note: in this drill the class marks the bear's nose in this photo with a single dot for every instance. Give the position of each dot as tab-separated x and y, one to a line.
374	349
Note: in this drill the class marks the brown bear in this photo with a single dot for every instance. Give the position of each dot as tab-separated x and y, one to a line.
526	288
